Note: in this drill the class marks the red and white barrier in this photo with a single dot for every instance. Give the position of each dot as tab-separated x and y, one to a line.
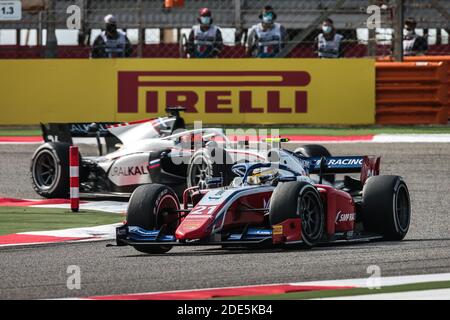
74	179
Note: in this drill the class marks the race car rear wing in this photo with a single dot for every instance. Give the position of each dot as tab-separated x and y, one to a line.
367	166
65	132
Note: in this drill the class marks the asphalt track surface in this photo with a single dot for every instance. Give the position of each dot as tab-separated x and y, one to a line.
40	271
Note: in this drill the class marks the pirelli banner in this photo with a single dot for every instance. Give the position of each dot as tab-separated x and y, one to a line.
216	91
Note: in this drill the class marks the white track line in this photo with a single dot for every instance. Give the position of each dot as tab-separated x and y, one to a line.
383	281
390	281
104	232
412	138
84	234
357	283
106	206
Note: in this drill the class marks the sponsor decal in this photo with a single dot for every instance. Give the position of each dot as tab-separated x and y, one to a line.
154	164
83	128
218	98
355	161
218	194
220	91
334	162
191	225
344	217
203	210
129	171
277	229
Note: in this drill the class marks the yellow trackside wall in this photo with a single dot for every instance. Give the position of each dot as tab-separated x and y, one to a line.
219	91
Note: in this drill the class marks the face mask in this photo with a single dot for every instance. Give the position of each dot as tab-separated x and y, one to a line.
205	20
267	18
111	28
327	29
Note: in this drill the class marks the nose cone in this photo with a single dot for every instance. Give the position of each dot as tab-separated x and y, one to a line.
194	228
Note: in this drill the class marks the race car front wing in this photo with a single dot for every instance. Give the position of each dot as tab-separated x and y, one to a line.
137	236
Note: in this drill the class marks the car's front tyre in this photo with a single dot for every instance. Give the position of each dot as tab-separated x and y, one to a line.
150	207
299	199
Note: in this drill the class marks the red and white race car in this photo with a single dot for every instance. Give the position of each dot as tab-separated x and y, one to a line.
273	204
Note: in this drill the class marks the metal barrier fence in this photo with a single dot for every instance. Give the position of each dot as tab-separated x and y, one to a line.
369	28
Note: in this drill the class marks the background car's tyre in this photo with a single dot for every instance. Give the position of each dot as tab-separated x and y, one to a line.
50	170
386	207
299	199
150	208
316	150
209	163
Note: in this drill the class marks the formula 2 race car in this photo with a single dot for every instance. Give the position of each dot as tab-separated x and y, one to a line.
142	152
273	204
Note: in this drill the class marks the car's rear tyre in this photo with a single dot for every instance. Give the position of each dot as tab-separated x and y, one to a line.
50	170
150	207
386	207
316	150
207	163
299	199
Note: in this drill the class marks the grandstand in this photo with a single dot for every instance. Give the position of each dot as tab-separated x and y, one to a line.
156	31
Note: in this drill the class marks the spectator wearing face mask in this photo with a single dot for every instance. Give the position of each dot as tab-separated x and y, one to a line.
267	38
205	39
111	43
329	42
413	44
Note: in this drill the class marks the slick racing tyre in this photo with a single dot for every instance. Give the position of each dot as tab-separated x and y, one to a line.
316	150
150	207
299	199
386	206
207	163
50	170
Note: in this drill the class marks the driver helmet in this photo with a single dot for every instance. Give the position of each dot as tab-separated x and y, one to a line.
263	176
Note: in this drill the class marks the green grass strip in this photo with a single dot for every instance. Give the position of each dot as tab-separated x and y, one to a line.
348	292
8	132
23	219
